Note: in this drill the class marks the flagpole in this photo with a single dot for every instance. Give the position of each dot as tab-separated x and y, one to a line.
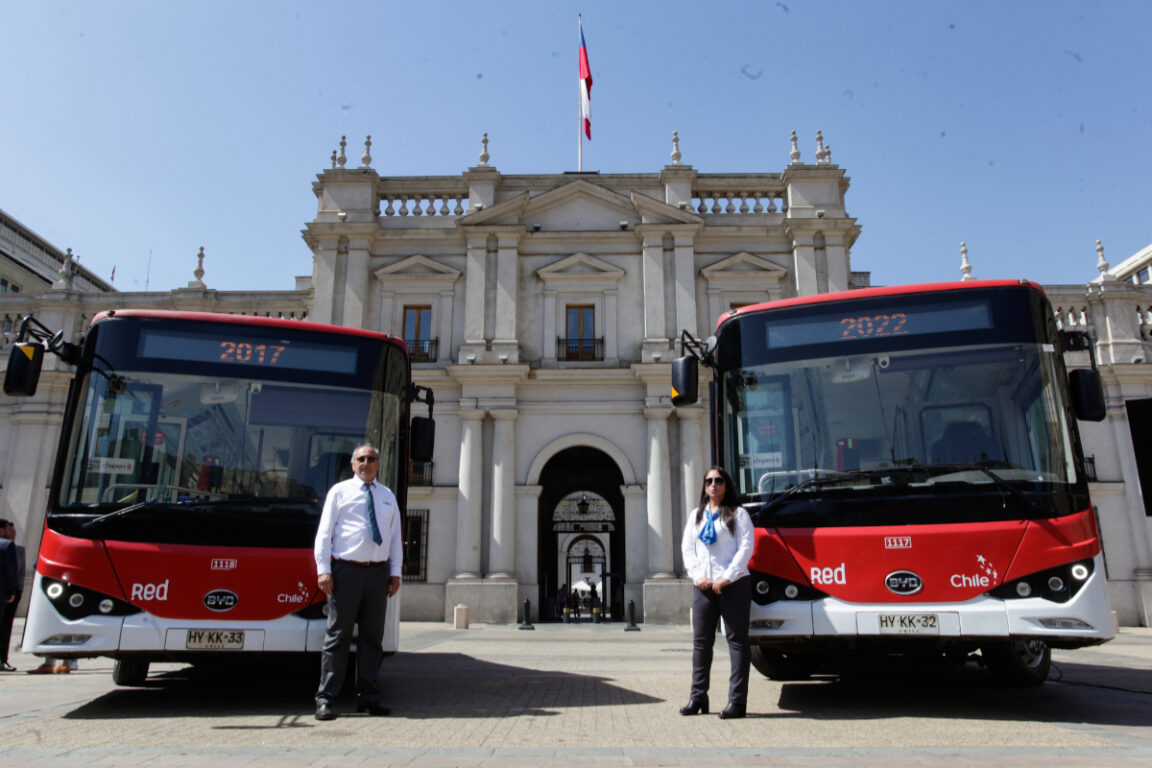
579	107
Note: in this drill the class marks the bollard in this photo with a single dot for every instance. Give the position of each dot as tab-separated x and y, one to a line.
527	615
595	615
567	615
631	617
460	616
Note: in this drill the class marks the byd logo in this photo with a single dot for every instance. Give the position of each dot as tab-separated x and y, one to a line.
220	600
903	583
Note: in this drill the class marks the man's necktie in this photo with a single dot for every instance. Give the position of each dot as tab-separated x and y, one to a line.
370	511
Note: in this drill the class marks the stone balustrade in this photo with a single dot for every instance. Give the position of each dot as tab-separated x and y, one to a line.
738	195
416	203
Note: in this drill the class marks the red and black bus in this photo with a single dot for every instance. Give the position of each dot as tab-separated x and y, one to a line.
195	454
910	457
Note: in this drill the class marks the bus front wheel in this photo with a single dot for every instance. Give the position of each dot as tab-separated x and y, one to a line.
777	665
130	671
1019	662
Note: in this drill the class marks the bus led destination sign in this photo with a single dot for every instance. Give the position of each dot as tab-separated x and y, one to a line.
233	349
906	320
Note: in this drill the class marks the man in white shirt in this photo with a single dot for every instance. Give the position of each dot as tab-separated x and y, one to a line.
359	554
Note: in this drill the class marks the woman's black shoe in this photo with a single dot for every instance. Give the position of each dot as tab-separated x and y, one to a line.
731	712
695	708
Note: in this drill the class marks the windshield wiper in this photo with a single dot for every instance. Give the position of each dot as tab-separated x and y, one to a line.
985	468
230	506
260	503
816	482
149	504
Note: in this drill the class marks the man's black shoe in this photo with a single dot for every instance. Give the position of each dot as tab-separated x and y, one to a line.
373	708
324	711
6	667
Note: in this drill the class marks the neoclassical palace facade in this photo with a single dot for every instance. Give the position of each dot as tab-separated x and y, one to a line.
544	310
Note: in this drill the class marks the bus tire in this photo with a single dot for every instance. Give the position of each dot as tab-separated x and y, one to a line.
130	671
1019	662
776	665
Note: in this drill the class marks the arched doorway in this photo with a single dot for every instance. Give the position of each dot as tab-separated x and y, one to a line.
581	501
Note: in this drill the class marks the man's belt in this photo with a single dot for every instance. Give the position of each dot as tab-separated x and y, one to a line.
360	562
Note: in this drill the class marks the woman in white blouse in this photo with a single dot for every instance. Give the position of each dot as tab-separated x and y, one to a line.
717	545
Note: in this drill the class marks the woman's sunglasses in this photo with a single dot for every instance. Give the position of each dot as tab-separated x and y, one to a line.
713	481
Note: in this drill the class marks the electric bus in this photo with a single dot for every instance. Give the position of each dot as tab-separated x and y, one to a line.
195	454
911	461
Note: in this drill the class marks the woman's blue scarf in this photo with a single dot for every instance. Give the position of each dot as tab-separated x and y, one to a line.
708	532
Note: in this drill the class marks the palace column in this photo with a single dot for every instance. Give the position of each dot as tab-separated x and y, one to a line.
660	536
652	267
469	497
502	553
691	460
804	263
667	599
475	280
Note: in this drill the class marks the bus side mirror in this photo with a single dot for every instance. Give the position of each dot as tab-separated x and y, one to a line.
685	380
1087	392
423	439
23	374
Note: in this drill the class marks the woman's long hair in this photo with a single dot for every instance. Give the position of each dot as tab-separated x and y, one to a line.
728	503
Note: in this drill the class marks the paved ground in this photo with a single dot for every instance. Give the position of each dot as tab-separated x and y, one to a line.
586	694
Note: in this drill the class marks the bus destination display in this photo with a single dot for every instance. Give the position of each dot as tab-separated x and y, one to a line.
233	349
907	320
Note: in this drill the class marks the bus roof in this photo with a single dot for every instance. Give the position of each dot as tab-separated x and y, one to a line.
867	293
267	322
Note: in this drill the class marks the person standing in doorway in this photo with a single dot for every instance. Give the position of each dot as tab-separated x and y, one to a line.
717	546
359	559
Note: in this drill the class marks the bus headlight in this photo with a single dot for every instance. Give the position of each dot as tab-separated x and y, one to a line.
767	588
1057	584
74	602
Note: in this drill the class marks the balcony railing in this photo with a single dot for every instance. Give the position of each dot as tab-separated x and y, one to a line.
579	349
423	350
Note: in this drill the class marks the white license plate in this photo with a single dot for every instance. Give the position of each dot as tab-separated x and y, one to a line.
214	639
909	624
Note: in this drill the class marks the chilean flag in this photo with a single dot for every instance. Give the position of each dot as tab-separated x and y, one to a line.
585	86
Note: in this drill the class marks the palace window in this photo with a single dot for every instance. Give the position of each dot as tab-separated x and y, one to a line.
418	333
581	342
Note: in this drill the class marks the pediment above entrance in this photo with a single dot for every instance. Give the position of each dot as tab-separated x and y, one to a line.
582	268
744	269
579	206
417	269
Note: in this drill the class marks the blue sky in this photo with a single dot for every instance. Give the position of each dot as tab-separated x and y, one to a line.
136	132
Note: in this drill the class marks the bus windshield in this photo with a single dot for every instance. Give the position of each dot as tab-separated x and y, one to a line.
168	444
985	419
